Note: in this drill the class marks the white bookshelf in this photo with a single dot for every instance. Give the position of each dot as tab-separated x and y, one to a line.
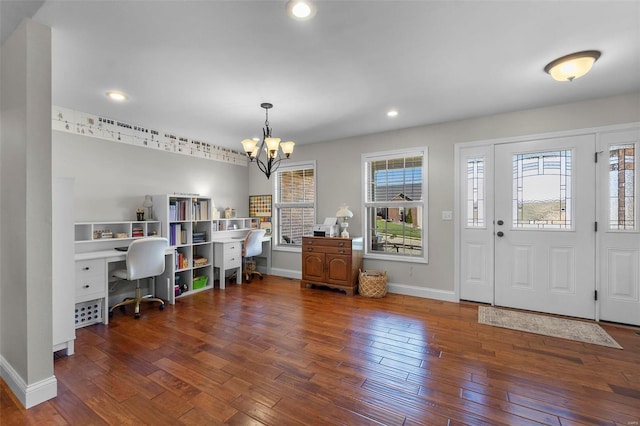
186	223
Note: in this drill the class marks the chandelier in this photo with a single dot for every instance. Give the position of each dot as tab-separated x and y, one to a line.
267	154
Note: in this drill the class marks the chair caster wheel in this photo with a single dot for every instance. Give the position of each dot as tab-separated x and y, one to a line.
136	316
161	307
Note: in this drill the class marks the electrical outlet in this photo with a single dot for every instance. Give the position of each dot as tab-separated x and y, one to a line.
447	215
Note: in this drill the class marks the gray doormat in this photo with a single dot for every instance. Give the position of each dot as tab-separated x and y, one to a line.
580	331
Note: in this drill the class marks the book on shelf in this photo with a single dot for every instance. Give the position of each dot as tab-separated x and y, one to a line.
137	232
200	210
198	237
199	260
175	234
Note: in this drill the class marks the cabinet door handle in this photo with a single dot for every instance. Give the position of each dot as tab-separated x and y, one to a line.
341	251
341	244
86	268
86	286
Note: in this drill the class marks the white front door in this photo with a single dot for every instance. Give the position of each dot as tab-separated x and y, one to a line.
544	225
619	253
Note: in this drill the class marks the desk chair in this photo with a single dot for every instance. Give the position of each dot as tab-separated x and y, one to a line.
145	259
252	247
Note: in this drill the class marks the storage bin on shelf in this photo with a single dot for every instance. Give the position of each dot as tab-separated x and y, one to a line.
200	282
372	283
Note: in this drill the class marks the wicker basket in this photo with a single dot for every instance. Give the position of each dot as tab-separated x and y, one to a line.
373	283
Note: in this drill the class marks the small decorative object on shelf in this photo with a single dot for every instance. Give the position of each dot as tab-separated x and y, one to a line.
229	213
140	214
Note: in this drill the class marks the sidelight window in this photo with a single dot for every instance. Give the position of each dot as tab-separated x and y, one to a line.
475	193
622	161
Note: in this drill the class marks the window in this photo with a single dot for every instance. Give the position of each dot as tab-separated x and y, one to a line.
295	203
475	193
542	196
395	204
622	176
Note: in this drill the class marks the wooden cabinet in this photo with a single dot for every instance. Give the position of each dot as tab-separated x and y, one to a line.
331	261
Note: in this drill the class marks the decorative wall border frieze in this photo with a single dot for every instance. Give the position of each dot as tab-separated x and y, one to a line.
94	126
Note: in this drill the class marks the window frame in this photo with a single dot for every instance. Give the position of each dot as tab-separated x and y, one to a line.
277	204
366	159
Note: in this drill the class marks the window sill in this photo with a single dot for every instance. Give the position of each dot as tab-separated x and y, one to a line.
291	249
405	259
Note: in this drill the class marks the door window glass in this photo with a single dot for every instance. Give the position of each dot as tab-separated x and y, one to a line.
622	160
475	193
542	190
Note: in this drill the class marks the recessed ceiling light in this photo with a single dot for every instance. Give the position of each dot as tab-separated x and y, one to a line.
114	95
301	10
392	113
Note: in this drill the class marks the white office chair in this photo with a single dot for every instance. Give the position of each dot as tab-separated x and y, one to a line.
145	259
252	247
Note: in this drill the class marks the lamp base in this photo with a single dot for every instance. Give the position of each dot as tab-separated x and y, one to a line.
344	233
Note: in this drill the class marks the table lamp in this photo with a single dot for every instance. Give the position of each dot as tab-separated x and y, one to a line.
148	204
344	213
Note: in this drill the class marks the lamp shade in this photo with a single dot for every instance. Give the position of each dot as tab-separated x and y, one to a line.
570	67
272	143
249	145
287	148
344	212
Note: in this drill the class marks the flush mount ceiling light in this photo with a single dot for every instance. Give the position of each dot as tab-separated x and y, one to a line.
267	154
570	67
301	10
114	95
392	113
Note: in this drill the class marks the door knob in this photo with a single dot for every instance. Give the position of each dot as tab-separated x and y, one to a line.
500	234
500	222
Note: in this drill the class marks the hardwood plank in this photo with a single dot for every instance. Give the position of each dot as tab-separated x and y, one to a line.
272	353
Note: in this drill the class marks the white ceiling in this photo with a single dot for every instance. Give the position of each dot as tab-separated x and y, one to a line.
201	68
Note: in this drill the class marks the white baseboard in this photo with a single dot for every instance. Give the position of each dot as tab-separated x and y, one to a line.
29	395
287	273
428	293
407	290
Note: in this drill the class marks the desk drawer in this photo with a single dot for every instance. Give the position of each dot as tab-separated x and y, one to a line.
233	260
90	278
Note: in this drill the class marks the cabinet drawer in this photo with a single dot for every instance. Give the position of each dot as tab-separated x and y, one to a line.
326	242
327	249
90	278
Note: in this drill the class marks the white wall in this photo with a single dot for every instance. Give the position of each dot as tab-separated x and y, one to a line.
26	361
111	178
339	178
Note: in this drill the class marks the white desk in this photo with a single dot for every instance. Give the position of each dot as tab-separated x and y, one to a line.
227	255
92	282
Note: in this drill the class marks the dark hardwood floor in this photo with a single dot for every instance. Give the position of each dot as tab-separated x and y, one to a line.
271	353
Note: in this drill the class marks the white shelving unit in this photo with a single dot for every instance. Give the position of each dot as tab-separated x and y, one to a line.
108	232
187	225
228	227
